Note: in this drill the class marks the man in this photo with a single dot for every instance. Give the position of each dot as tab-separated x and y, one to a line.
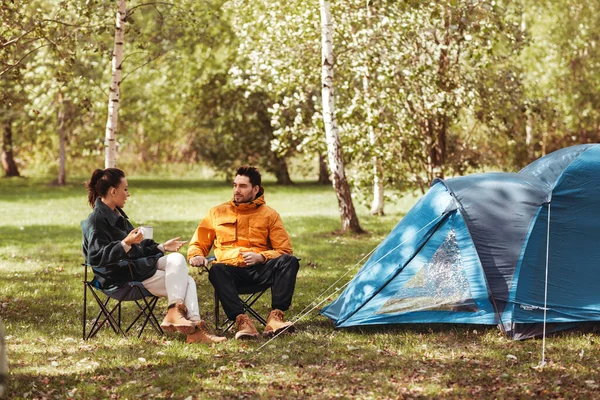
252	248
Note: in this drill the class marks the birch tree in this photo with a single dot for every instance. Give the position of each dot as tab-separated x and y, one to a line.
334	148
378	188
110	160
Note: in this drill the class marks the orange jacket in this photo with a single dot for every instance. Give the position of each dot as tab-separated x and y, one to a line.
233	228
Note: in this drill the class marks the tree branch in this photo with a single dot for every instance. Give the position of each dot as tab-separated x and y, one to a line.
130	11
11	66
144	64
15	40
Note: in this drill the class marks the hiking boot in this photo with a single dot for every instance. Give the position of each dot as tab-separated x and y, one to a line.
203	335
276	324
176	320
245	328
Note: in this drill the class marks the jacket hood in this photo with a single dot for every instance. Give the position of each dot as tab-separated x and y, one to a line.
254	204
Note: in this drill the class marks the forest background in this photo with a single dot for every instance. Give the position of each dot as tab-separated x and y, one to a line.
423	89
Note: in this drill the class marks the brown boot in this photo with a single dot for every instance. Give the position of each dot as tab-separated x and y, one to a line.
203	335
176	320
276	324
245	328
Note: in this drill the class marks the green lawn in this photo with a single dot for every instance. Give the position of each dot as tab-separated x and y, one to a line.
41	299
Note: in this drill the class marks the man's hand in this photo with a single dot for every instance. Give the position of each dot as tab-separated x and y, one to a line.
174	244
198	261
252	258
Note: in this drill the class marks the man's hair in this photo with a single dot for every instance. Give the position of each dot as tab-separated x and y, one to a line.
251	172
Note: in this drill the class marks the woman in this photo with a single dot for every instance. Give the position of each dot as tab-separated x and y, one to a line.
109	237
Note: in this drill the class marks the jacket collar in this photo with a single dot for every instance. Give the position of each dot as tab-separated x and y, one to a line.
108	213
254	204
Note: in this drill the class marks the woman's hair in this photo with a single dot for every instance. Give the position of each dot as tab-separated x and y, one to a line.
101	181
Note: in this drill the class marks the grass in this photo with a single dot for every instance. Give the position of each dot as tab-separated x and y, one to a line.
41	296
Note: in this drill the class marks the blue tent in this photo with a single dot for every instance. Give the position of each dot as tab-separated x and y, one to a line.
493	248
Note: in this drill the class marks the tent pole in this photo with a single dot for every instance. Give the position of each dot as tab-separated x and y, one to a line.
543	362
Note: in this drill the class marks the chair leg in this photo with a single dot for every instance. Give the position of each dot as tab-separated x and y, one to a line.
249	302
216	310
108	316
148	311
85	289
229	326
119	312
153	321
257	316
113	313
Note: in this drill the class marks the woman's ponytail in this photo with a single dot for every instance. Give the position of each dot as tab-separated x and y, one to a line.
101	181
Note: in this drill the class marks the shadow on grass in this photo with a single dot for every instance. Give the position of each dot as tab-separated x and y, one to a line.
293	366
135	378
31	237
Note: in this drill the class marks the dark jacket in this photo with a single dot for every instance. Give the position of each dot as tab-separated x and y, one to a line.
103	231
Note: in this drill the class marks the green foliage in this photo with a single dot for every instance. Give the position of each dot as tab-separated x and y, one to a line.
41	298
428	88
226	120
563	62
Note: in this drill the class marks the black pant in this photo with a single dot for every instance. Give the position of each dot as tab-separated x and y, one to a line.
280	273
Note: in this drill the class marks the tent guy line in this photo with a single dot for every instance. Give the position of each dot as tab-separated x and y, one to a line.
302	314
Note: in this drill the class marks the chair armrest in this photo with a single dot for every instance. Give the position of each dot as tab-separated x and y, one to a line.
210	260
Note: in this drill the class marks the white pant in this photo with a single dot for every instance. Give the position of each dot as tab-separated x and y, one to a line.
171	280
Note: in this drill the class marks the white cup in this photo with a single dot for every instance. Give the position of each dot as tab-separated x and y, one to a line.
147	232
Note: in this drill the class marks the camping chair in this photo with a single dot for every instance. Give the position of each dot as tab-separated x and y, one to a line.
130	292
248	295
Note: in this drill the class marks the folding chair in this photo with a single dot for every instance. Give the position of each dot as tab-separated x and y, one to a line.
248	295
130	292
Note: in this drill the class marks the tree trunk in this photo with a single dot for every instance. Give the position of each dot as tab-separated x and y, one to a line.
62	174
280	170
143	153
334	148
8	161
323	171
529	141
378	189
110	143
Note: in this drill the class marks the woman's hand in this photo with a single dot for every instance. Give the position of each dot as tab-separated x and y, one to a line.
135	236
174	244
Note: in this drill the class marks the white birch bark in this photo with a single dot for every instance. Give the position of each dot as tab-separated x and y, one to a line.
110	142
62	173
334	148
378	189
